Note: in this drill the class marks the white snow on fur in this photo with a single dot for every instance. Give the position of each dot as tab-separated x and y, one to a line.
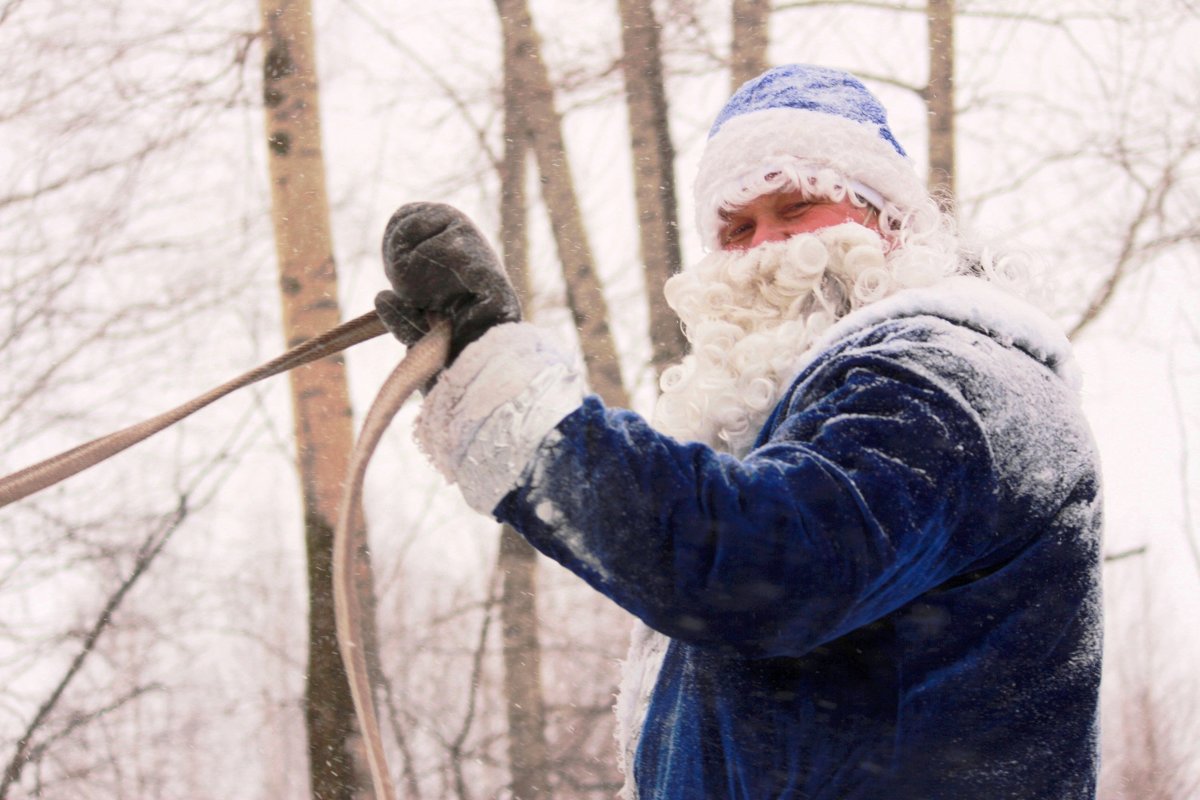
487	414
978	305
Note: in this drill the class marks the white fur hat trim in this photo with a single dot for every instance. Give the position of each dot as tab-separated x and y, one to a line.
742	161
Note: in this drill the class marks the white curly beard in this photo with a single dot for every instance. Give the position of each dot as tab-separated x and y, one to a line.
750	316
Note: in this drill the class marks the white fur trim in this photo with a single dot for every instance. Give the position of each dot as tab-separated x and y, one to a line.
751	145
976	304
639	674
867	193
484	419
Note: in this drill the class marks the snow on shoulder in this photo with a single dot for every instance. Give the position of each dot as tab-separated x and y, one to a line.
977	304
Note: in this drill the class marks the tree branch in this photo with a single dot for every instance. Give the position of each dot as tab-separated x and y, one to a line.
1151	206
1185	476
1130	553
1054	20
456	745
149	550
434	75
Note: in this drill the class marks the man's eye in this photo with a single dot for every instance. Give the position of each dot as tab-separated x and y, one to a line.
739	231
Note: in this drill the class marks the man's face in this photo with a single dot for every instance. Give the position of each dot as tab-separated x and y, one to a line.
780	216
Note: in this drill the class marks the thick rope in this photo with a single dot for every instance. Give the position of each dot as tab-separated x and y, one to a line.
420	364
46	473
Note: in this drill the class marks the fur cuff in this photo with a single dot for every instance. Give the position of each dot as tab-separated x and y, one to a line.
484	419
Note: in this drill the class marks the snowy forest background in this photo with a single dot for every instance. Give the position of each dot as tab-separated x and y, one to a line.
154	612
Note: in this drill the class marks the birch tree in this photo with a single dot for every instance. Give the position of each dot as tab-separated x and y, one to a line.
938	95
749	41
653	173
533	123
517	560
322	420
543	125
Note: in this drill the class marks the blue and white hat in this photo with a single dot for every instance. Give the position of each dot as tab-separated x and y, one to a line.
794	117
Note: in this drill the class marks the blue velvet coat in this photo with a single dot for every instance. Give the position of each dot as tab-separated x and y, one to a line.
894	595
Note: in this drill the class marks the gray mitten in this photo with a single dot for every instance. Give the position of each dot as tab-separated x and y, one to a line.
440	265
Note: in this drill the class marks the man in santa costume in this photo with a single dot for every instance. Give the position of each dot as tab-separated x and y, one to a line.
861	532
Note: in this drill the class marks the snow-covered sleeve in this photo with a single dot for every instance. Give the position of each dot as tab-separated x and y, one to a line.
489	411
876	484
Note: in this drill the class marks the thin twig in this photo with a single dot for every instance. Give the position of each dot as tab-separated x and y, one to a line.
1134	551
456	746
1189	532
149	550
25	752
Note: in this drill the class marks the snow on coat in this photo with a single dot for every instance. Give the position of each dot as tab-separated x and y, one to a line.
894	594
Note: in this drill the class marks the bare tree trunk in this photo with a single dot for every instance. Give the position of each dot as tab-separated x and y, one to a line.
543	127
653	174
514	238
522	668
524	701
939	99
323	426
748	48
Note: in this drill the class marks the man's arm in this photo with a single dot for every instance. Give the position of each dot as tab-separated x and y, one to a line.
875	485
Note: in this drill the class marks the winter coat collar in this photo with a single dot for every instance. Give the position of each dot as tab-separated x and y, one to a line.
973	303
